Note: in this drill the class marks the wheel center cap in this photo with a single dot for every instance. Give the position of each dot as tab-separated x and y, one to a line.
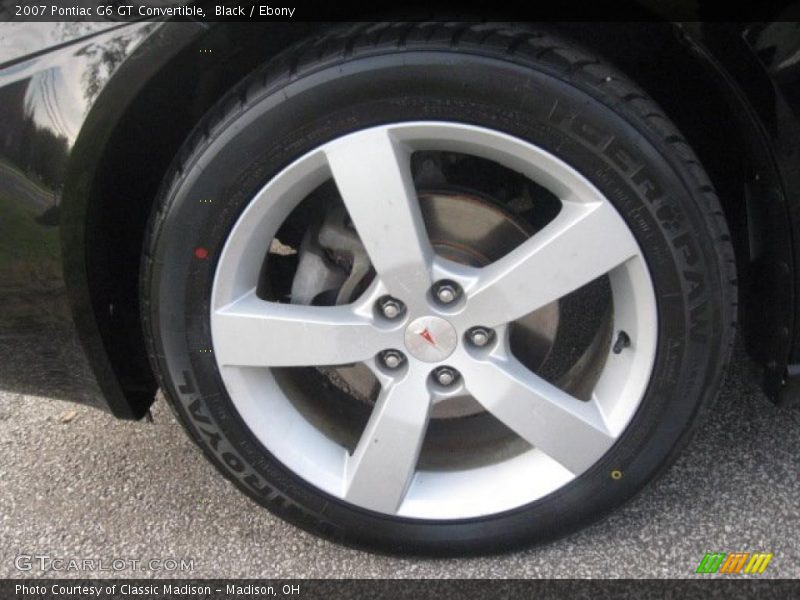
430	339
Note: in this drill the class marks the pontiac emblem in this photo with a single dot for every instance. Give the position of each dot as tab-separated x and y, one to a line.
426	335
430	339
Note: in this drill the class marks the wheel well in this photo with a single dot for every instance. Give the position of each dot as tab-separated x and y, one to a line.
184	89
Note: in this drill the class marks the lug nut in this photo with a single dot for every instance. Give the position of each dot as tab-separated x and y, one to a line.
479	336
446	292
392	359
391	308
445	376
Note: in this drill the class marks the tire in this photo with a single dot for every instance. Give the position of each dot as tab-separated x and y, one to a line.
526	84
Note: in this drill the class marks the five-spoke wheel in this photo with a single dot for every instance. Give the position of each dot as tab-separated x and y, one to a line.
430	328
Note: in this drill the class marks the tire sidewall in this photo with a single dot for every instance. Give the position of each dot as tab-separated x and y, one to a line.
610	146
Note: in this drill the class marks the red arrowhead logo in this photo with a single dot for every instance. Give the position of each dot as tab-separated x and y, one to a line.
427	336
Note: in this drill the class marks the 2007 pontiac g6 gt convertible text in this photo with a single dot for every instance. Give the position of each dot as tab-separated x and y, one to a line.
421	287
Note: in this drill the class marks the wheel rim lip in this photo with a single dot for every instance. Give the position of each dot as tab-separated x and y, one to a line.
268	413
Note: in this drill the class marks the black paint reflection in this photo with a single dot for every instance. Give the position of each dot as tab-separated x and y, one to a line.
43	103
32	164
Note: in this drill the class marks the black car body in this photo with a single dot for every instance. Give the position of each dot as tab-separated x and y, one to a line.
92	114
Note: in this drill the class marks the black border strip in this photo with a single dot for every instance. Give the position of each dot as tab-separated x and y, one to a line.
473	589
418	10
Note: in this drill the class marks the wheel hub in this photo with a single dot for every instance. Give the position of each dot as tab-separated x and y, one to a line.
464	227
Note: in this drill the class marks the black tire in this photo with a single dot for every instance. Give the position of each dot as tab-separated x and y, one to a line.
529	84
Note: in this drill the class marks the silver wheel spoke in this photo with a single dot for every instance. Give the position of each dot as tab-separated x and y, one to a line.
585	241
255	333
384	462
568	430
373	174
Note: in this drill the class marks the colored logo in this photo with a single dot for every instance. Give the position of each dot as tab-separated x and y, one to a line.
427	336
736	562
430	339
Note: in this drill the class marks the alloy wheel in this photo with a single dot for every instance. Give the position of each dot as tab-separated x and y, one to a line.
431	329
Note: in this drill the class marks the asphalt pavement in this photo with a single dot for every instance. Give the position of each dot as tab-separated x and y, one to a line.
77	484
